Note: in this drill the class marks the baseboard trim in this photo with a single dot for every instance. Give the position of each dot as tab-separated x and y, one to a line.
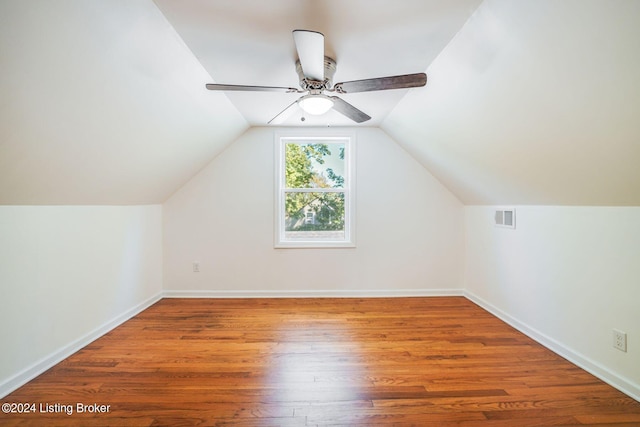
589	365
342	293
29	373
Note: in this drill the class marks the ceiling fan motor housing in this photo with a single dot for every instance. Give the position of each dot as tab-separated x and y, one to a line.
314	86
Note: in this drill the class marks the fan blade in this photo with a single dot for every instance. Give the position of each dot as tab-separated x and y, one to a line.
284	114
213	86
382	83
344	108
310	47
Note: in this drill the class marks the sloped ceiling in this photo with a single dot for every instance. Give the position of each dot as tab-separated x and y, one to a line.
533	102
102	103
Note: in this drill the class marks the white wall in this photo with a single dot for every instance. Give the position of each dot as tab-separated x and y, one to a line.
409	233
68	274
567	276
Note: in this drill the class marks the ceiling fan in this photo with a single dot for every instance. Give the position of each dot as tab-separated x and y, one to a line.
316	73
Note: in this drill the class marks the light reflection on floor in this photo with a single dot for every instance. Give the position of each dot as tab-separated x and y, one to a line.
319	363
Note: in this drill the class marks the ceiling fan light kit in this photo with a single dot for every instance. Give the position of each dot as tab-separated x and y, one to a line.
316	77
316	105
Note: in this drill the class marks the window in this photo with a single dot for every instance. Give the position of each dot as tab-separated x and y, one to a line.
314	191
310	217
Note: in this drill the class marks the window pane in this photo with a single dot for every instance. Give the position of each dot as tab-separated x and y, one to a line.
314	165
314	216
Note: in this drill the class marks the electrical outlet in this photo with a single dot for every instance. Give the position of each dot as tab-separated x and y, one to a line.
620	340
196	267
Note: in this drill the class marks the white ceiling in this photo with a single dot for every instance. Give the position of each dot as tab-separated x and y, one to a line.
533	102
249	42
102	103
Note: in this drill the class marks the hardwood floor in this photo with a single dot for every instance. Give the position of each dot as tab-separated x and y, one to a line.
319	362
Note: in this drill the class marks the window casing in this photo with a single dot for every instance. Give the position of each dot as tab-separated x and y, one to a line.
315	190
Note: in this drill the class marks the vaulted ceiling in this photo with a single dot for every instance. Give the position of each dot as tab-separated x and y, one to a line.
527	102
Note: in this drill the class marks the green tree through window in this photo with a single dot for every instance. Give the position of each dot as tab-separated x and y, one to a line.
315	190
306	167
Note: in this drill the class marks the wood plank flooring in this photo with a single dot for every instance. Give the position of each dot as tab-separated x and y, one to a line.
319	362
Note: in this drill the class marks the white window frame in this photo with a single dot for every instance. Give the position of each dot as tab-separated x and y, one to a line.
319	135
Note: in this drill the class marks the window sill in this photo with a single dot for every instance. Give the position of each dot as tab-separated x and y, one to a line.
313	245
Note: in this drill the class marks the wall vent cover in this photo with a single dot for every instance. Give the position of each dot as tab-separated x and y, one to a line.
505	218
